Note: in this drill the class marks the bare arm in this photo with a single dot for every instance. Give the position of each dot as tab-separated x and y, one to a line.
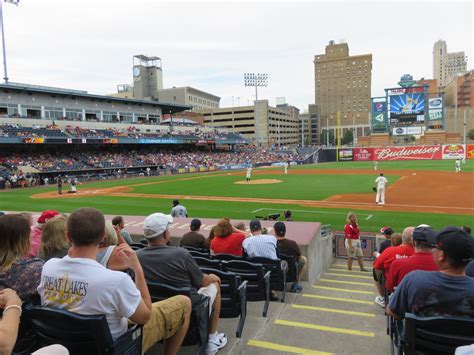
10	321
208	279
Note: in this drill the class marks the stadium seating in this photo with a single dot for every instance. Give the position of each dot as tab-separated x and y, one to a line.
435	335
199	324
233	297
78	333
278	273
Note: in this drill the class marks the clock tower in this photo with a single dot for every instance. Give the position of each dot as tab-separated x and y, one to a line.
147	77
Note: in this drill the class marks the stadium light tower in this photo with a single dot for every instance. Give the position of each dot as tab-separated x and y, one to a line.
5	74
252	79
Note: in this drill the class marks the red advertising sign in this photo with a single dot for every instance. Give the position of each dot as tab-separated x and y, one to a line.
427	152
363	154
454	151
470	151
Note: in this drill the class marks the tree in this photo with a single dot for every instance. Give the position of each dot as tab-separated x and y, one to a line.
470	134
323	137
347	137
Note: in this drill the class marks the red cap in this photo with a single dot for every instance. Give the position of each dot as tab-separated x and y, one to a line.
47	215
386	230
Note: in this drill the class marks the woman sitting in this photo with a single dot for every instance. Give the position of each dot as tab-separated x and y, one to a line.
54	243
20	274
227	239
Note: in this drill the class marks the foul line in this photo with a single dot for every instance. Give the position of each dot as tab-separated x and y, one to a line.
340	299
325	328
342	290
288	349
331	310
368	217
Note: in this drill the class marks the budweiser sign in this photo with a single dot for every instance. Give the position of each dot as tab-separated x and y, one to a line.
408	153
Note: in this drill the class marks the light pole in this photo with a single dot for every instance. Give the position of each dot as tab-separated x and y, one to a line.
5	74
259	79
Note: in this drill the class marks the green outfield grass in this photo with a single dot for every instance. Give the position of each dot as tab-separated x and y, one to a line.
310	187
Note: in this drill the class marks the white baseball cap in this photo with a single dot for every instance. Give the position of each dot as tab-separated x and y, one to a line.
158	223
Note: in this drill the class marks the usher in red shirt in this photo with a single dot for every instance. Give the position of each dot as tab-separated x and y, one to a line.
351	231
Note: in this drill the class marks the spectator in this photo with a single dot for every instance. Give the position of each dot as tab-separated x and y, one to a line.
258	244
38	231
383	262
118	222
466	229
387	232
470	269
18	273
289	247
194	238
447	292
176	267
98	290
396	239
227	239
54	243
352	242
424	239
178	210
240	226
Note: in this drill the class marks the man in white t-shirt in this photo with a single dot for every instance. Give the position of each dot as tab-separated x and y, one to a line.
78	283
381	182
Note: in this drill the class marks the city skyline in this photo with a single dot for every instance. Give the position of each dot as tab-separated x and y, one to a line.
89	45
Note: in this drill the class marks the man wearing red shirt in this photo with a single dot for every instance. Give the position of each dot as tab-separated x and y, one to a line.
424	239
390	254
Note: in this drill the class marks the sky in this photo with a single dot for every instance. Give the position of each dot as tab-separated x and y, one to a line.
89	45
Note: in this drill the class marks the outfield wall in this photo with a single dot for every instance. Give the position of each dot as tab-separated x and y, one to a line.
413	152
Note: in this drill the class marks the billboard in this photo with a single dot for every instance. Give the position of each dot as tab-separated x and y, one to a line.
379	114
401	131
407	107
435	109
363	154
427	152
454	151
345	155
470	151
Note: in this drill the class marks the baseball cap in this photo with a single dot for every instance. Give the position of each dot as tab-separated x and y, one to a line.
279	228
255	225
158	223
425	235
46	216
386	230
175	202
195	224
456	244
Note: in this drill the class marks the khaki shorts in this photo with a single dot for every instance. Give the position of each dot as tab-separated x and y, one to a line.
167	318
301	263
357	248
211	292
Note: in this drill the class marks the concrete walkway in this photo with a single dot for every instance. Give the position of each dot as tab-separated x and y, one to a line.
336	315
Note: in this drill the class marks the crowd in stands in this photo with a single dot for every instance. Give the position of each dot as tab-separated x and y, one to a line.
164	159
132	132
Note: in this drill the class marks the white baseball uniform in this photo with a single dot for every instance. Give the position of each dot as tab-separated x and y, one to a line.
249	173
381	181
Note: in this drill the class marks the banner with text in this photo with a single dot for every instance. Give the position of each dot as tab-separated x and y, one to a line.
454	151
345	154
427	152
363	154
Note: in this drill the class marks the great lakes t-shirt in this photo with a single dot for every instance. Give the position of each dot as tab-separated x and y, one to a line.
84	286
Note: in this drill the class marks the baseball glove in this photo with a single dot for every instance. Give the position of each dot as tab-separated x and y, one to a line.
374	189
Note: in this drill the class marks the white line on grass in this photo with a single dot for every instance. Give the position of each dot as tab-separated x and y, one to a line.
368	217
312	211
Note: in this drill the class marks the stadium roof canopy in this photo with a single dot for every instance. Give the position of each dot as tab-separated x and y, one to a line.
60	92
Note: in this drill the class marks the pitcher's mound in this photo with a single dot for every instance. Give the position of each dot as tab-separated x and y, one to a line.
259	182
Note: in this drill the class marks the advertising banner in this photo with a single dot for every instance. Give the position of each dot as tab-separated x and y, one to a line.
435	106
363	154
470	151
401	131
345	155
454	151
427	152
379	114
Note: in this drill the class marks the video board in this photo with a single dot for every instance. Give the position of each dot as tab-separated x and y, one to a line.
406	105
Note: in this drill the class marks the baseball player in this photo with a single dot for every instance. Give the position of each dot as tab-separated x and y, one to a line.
457	165
60	185
375	165
249	173
381	181
286	168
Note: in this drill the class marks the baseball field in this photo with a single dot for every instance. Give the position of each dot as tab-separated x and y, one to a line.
418	192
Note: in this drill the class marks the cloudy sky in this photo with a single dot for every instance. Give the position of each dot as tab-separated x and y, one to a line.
89	45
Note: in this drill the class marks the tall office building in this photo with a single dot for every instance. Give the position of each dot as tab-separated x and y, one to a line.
447	65
343	84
